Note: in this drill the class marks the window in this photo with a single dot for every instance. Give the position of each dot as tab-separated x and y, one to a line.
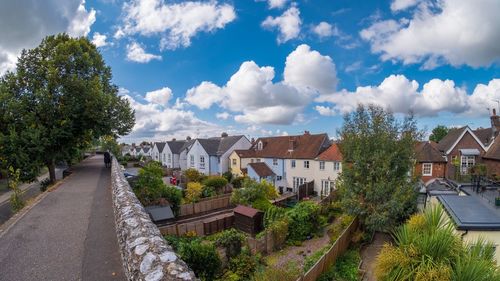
169	157
259	145
336	166
292	163
251	160
275	162
202	162
234	162
327	186
278	178
164	158
466	163
258	160
321	165
427	169
298	182
191	160
306	164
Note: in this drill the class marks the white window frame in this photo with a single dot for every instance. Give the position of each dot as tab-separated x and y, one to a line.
202	162
259	145
275	161
257	160
292	164
306	164
336	166
234	162
191	160
427	169
298	181
466	161
321	165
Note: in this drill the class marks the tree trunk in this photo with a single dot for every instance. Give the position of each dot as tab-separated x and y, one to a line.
52	171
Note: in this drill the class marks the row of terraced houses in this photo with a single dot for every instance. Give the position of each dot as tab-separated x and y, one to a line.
285	161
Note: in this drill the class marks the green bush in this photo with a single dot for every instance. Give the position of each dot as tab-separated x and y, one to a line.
173	196
228	176
335	229
192	175
303	220
16	201
252	191
238	182
216	182
149	185
243	265
262	204
208	191
201	257
279	231
273	213
344	269
44	184
231	239
288	273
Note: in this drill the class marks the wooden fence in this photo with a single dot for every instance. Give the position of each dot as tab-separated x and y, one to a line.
306	190
205	205
200	227
329	258
265	244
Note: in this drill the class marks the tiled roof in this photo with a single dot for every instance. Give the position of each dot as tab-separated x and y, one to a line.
176	146
160	145
331	154
305	146
447	142
246	211
494	151
219	145
261	169
427	152
484	135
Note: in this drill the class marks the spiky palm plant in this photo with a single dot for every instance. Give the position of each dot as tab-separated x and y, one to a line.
427	248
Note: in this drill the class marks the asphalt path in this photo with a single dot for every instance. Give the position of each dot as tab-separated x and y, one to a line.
69	235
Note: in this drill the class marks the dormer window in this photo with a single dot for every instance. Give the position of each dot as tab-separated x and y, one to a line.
259	145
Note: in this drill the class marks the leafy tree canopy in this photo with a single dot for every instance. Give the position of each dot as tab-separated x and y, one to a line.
439	133
378	153
58	101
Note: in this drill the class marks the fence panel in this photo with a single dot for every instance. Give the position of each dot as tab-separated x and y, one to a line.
329	258
205	205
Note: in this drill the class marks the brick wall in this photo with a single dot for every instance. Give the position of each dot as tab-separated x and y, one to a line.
438	171
466	142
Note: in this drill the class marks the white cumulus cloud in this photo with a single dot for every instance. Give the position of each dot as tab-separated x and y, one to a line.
274	3
223	115
255	99
324	29
175	23
160	96
99	40
402	95
288	24
455	32
136	53
24	23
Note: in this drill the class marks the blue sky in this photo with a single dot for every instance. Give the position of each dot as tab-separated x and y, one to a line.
280	66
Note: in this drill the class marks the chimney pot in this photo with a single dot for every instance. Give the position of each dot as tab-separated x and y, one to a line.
306	133
224	135
174	139
188	138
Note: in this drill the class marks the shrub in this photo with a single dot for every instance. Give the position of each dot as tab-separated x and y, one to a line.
231	239
279	231
193	192
252	191
288	273
243	265
173	196
228	176
335	229
238	182
16	201
192	175
344	269
215	182
202	258
149	185
262	204
303	220
273	213
208	191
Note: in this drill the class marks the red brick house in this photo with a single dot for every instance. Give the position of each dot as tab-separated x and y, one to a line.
430	162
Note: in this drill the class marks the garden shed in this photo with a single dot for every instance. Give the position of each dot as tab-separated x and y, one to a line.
248	219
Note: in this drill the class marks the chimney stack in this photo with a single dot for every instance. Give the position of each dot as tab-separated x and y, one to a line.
291	144
224	135
188	138
306	133
252	141
174	139
495	123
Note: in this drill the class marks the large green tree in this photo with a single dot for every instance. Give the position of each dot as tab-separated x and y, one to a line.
439	133
378	152
60	99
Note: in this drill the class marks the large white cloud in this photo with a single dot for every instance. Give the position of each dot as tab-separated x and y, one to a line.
253	96
160	96
157	122
136	53
99	40
175	23
274	3
288	24
448	31
24	23
402	95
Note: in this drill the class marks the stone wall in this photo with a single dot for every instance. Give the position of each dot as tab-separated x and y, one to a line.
145	254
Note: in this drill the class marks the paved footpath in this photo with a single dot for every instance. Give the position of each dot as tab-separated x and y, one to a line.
69	235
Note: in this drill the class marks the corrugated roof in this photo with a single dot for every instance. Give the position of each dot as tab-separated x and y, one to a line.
246	211
261	169
331	154
452	136
305	146
427	152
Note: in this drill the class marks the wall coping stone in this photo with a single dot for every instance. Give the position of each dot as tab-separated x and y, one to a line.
145	254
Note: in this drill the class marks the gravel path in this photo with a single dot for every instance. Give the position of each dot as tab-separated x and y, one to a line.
69	235
369	255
